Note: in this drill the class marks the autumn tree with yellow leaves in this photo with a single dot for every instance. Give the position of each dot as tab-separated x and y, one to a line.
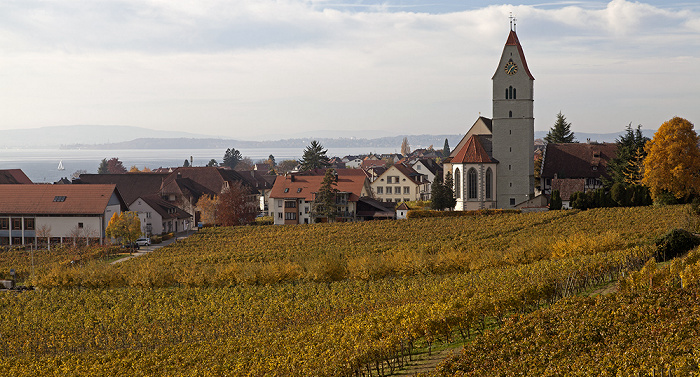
672	165
125	226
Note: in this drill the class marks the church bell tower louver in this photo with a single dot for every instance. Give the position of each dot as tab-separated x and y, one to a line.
513	125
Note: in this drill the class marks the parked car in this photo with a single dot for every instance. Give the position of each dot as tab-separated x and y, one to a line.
143	241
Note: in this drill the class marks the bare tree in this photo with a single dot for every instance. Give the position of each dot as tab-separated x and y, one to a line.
44	231
235	206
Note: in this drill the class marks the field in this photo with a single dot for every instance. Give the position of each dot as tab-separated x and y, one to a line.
325	299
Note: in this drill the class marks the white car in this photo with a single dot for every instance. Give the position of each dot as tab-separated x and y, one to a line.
143	242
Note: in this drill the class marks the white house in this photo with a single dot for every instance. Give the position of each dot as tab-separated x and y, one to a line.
159	216
29	213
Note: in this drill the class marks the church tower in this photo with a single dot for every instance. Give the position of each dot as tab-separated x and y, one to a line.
513	125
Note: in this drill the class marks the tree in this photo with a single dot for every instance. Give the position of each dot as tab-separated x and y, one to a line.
212	162
560	132
245	164
231	158
627	165
324	201
125	226
186	164
234	206
206	205
103	168
555	203
114	166
449	185
314	157
672	164
146	169
405	147
271	161
287	165
78	172
446	149
134	169
538	168
438	200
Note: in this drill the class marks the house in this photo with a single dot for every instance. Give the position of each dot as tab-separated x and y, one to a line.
292	196
430	168
372	209
400	183
402	211
159	216
575	167
60	213
130	185
498	152
369	163
352	162
262	181
14	176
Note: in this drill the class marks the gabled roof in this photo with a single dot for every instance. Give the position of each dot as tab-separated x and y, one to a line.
165	209
188	188
482	126
211	177
14	176
57	199
577	160
130	185
567	187
368	207
472	153
513	41
297	186
409	172
431	165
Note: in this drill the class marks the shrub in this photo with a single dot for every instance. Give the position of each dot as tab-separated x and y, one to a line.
675	243
419	214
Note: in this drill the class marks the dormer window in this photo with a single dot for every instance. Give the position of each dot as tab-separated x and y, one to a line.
299	190
286	190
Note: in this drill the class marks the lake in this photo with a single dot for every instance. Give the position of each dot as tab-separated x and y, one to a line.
41	165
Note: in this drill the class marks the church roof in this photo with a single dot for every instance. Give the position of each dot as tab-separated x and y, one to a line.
513	41
472	152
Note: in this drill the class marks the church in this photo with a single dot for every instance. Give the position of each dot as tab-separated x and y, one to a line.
493	166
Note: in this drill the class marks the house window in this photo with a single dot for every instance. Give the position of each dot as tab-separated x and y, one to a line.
279	215
279	203
29	224
16	224
388	189
380	190
512	201
417	166
471	183
406	199
290	216
406	190
458	184
397	190
80	225
290	204
306	209
4	224
489	178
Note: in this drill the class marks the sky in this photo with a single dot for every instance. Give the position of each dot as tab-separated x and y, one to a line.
271	69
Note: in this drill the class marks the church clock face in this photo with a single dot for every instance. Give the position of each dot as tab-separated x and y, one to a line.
511	68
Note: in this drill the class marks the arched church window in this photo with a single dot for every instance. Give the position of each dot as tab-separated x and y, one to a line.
489	178
472	183
510	92
507	93
510	114
514	96
458	184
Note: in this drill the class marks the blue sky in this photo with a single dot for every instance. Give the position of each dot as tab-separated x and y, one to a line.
264	69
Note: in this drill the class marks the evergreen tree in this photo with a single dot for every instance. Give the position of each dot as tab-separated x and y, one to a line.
555	203
271	161
231	158
450	201
212	162
437	194
446	149
560	132
324	203
186	164
314	157
103	168
627	165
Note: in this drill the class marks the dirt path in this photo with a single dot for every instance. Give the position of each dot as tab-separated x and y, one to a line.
606	289
424	364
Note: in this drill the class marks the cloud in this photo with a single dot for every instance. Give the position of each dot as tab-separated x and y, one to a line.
252	67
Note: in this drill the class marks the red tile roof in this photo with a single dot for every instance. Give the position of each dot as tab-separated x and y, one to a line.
57	199
577	160
303	186
567	187
14	176
472	153
513	41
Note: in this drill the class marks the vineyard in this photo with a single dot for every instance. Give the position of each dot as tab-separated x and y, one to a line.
327	299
